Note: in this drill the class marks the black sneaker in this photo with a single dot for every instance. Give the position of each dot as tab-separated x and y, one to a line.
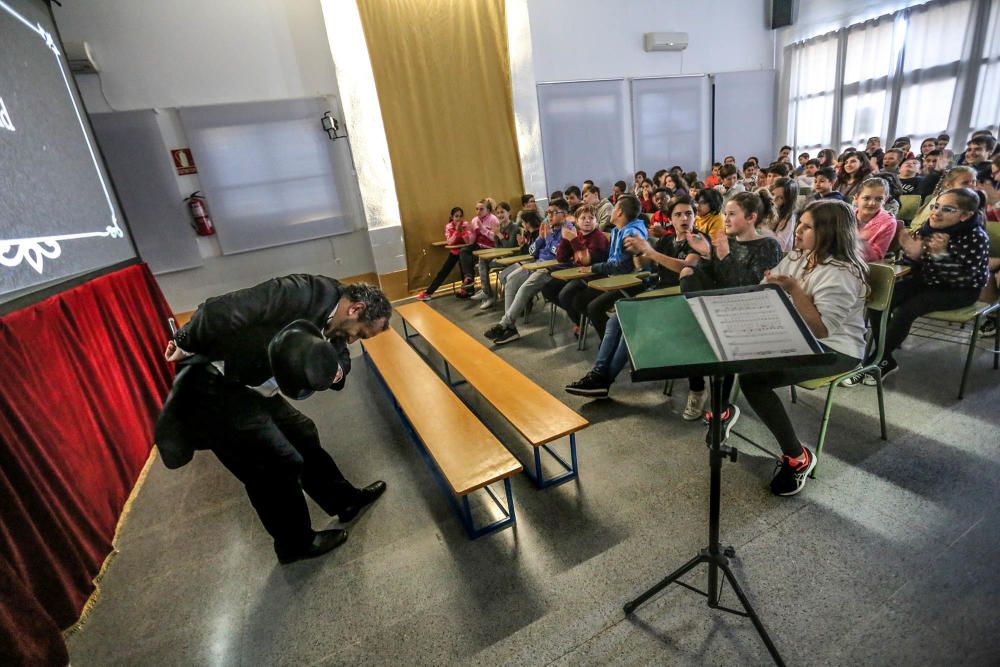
729	417
592	384
855	380
508	335
888	366
789	478
495	331
988	329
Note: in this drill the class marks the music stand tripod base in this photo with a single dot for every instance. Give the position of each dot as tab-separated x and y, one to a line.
715	557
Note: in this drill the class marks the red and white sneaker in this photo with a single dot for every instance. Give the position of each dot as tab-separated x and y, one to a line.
729	417
424	296
790	475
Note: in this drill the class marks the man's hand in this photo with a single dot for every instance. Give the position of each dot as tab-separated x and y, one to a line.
937	244
568	233
721	242
699	244
175	353
787	283
637	246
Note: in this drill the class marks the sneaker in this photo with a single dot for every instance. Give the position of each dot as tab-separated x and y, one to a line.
591	384
508	335
486	304
576	331
695	407
790	477
888	366
495	331
463	293
479	296
729	417
855	380
988	329
424	296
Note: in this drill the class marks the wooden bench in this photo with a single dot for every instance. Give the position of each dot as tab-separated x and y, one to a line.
467	456
536	414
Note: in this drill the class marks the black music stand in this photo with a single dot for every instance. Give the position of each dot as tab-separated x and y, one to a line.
643	322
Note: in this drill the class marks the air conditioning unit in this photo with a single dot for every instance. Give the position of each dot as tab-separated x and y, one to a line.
665	41
80	58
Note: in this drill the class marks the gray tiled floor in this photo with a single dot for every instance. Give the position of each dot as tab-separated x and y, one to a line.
886	558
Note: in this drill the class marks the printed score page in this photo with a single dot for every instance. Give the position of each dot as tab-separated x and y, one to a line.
749	325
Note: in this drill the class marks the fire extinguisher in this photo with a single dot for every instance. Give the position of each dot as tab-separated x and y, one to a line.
200	221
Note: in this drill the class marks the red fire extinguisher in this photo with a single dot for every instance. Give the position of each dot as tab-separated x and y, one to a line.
199	214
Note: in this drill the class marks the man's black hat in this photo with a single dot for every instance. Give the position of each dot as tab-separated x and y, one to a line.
302	360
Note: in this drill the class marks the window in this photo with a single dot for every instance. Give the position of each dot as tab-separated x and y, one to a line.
909	73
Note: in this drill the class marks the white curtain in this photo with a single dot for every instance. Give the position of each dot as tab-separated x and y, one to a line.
986	108
870	60
811	90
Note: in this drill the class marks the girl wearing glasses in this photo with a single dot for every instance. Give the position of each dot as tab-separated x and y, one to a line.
950	253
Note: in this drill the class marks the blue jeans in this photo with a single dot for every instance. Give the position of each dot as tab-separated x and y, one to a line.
613	354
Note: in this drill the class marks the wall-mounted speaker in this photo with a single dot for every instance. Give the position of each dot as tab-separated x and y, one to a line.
781	13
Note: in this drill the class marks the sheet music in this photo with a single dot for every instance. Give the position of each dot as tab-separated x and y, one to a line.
749	325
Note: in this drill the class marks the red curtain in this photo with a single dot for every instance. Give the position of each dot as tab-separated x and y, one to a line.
82	379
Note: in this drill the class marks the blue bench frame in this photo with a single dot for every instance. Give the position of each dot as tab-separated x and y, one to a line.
538	475
462	509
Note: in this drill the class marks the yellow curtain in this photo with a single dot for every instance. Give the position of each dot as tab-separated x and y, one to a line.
442	73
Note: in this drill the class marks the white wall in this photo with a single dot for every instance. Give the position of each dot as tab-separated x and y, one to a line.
594	39
164	55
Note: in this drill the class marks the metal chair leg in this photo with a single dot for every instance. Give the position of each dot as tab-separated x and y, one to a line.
795	396
584	325
881	404
822	429
552	319
968	357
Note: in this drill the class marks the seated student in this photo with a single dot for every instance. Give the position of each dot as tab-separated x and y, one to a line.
826	280
951	254
730	160
596	303
736	258
671	255
926	146
646	204
853	172
696	187
640	178
660	220
823	185
581	245
873	150
930	173
876	226
658	178
750	175
805	180
977	155
521	285
942	141
777	170
617	190
453	236
785	155
803	161
506	237
902	143
909	176
528	203
572	196
893	158
956	177
892	201
480	232
785	194
729	185
554	195
675	185
602	207
709	220
531	222
714	179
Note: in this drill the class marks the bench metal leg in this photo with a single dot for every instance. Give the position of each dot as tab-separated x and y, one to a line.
406	332
447	374
552	319
507	510
572	468
584	325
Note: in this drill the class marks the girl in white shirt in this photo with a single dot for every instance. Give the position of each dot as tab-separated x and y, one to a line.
827	281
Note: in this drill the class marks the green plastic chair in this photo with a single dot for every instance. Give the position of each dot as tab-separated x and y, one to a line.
882	280
977	314
908	207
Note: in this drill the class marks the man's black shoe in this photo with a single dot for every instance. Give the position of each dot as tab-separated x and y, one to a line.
366	496
323	542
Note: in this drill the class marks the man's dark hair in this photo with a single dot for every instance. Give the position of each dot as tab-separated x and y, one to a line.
596	190
805	155
813	161
571	190
629	205
560	204
784	148
985	140
829	173
944	137
377	306
780	168
555	194
621	185
525	198
663	190
712	197
531	219
589	182
727	170
900	153
934	153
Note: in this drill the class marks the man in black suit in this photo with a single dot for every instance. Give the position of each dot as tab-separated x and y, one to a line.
227	397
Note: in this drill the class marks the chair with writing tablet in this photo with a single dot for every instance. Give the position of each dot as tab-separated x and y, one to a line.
882	281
